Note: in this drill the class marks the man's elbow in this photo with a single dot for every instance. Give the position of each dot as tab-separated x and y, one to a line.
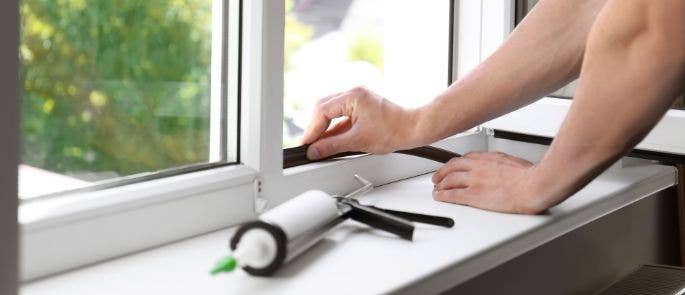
645	25
666	37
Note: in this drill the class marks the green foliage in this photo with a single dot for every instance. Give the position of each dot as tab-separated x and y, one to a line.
366	47
118	86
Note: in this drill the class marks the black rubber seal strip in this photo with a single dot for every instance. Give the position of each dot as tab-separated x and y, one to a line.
281	246
298	155
665	158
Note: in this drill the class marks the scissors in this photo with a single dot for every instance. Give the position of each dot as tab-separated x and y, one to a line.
393	221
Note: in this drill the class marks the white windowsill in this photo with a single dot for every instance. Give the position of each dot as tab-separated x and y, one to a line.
355	260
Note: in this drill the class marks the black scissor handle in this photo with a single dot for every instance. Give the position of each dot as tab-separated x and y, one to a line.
380	220
421	218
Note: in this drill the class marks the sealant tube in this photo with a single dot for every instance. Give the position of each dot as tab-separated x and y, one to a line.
282	233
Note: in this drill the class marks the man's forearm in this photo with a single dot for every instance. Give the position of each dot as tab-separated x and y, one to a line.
542	54
633	69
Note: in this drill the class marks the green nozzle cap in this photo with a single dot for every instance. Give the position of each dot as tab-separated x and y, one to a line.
227	264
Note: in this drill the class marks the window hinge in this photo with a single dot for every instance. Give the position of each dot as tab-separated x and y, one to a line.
260	204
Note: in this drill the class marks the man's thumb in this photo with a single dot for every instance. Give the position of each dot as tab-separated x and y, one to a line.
327	147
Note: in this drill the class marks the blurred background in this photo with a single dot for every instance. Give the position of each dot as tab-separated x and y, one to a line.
112	88
122	88
398	49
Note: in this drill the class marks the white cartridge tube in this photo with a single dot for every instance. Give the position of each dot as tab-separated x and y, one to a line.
261	247
303	213
257	248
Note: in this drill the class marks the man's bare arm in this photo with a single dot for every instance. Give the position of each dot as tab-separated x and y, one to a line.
543	53
540	56
634	68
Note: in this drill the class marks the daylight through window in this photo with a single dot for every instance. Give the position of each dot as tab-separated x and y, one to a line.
115	89
399	49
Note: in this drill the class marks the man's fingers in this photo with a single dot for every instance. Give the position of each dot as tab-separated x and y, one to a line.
453	180
455	164
496	156
477	155
344	125
328	146
326	110
456	196
518	160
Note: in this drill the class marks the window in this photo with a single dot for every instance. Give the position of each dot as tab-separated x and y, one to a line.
130	119
400	49
118	90
231	54
243	37
522	8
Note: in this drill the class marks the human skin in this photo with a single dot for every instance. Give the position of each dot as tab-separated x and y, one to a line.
630	56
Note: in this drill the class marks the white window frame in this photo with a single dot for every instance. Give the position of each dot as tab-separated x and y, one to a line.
84	228
62	233
544	117
277	185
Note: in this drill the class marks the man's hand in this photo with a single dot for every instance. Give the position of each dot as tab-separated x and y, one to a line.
492	181
370	124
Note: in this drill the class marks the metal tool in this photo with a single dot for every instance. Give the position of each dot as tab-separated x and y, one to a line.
261	247
393	221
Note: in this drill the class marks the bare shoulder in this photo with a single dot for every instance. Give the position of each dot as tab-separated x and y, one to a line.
661	22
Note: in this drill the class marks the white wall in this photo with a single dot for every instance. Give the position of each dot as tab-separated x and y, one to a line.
9	119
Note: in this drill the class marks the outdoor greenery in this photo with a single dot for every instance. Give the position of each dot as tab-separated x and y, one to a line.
120	87
113	88
369	48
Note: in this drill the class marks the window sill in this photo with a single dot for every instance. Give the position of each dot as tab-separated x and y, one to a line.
437	260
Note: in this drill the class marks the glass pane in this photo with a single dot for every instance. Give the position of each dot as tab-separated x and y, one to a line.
112	89
522	8
399	49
